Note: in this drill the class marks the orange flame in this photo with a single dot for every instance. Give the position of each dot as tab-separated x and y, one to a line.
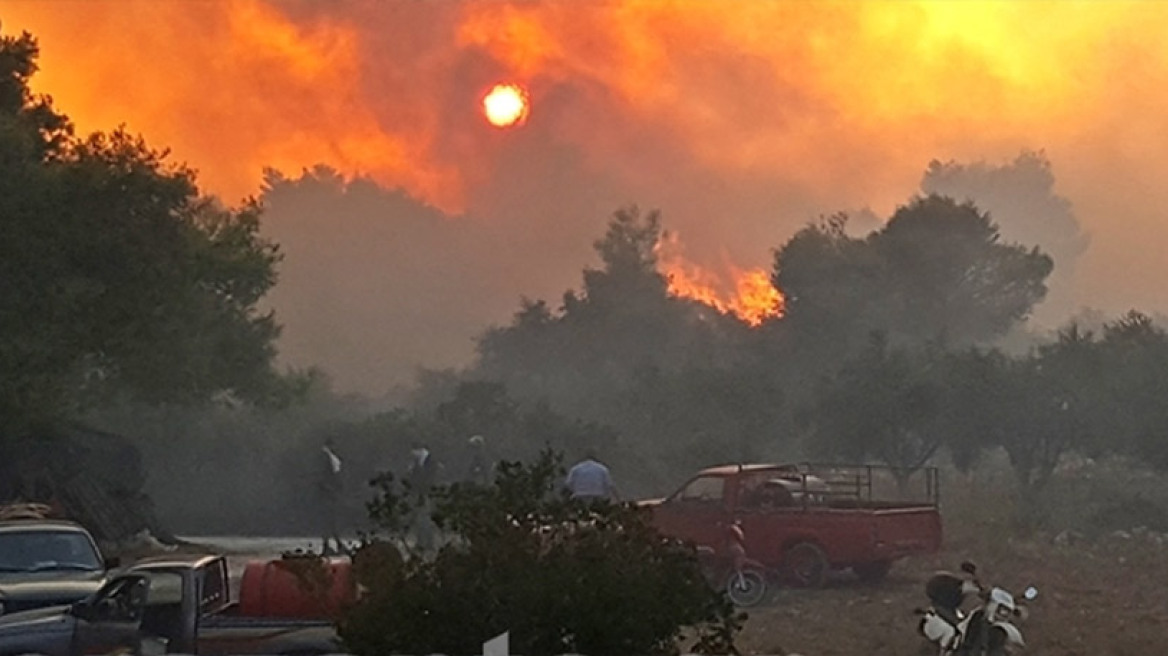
751	297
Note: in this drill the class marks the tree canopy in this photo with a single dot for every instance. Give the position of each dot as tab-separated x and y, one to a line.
937	271
120	276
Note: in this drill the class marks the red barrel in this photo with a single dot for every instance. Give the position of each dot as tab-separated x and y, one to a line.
300	588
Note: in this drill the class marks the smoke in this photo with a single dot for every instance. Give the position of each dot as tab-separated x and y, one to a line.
739	125
1020	198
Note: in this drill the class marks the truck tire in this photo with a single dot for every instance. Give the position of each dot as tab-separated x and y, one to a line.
806	565
872	572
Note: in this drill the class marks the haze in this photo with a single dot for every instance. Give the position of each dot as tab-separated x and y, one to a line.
739	125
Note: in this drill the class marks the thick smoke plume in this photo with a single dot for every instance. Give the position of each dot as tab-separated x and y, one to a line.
739	125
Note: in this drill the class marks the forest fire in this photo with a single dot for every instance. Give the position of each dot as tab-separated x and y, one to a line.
753	299
749	295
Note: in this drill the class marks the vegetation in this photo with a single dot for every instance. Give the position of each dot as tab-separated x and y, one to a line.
561	576
120	278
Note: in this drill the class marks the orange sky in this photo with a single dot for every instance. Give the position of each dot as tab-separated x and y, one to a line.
741	124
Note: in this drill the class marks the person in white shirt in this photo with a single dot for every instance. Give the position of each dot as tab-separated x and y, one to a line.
590	480
330	487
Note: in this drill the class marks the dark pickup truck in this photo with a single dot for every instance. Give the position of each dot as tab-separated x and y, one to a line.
175	604
807	520
46	562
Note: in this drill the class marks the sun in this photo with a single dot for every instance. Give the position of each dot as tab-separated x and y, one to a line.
506	105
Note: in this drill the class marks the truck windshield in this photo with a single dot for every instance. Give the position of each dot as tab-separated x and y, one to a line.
37	551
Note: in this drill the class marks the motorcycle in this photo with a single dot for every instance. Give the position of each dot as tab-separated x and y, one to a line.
745	580
989	630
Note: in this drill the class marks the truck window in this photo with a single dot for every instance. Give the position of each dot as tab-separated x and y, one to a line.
163	618
762	490
165	589
214	587
121	600
704	489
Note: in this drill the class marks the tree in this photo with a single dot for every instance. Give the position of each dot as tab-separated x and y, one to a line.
1054	408
1021	196
559	575
1036	407
883	404
936	272
1135	378
119	276
624	337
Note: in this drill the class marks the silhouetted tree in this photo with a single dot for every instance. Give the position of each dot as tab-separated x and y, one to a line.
1020	195
118	276
936	272
1135	383
884	404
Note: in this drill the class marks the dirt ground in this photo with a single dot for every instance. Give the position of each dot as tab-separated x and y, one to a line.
1106	594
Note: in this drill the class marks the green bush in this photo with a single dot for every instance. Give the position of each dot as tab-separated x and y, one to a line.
559	575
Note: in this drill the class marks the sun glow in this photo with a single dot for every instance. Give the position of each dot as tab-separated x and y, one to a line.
506	105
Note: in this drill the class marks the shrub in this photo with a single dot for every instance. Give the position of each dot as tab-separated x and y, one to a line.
559	575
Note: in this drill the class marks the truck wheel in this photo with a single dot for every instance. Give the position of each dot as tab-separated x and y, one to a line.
806	565
872	572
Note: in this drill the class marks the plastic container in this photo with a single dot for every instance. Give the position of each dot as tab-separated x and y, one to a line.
296	588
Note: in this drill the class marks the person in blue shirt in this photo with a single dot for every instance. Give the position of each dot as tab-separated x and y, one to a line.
590	480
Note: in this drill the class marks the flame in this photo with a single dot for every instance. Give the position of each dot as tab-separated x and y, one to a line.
750	296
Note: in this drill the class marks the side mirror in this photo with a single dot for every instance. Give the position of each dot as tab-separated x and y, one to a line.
969	568
112	563
1031	593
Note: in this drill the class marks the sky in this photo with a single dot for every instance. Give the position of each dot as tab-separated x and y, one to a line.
740	122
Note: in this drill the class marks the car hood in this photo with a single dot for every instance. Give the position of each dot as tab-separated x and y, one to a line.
21	591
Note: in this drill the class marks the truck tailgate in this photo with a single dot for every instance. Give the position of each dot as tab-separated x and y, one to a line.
905	531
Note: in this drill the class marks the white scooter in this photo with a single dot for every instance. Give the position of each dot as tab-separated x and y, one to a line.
988	630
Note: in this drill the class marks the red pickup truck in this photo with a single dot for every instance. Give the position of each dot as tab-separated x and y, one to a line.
807	520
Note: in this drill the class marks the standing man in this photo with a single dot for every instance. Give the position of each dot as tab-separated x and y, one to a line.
590	480
329	486
423	473
479	470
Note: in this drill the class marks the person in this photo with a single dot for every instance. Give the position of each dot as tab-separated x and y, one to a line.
329	487
590	480
423	473
734	544
479	470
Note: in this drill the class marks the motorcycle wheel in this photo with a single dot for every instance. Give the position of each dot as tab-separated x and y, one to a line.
746	588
